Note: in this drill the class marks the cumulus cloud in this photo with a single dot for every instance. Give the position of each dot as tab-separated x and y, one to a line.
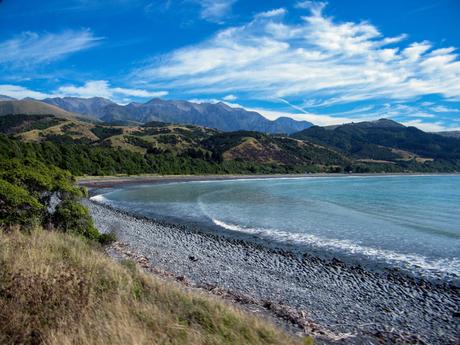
31	48
102	88
316	57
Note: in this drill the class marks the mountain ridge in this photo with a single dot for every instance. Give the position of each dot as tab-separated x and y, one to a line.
7	98
85	106
214	115
31	107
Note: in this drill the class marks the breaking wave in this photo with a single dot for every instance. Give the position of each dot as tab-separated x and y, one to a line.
408	261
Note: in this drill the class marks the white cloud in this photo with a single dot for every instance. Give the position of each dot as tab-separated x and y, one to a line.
415	50
95	88
339	119
316	7
272	13
422	115
102	88
430	126
92	88
30	48
215	10
139	92
230	98
443	109
317	119
318	57
214	101
20	92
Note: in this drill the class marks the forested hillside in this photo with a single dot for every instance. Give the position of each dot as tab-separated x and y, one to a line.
86	148
386	141
93	149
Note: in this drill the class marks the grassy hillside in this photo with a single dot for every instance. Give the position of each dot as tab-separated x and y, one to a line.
97	149
387	142
87	148
31	107
59	289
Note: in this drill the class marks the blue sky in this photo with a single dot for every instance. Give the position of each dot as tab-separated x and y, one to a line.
326	62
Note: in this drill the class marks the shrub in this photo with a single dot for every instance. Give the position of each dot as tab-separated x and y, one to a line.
71	216
17	206
107	238
28	191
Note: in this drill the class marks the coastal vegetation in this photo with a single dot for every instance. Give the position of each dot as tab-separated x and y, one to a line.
86	148
56	284
35	194
56	288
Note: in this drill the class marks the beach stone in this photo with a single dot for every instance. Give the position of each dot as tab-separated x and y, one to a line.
344	304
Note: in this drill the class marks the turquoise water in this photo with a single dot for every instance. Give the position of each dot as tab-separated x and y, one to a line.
409	222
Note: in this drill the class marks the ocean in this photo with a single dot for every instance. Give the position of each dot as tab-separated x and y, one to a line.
409	223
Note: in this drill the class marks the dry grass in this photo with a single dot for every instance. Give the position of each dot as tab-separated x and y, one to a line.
58	289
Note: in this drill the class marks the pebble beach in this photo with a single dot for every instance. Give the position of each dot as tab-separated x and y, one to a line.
335	302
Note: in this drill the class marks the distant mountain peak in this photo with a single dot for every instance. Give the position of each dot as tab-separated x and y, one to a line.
84	106
154	100
6	98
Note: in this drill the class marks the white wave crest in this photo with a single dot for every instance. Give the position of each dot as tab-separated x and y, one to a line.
100	198
409	261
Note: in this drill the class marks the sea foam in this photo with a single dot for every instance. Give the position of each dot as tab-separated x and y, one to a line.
408	261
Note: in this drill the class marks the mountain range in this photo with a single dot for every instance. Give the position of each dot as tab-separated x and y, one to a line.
212	115
169	127
373	146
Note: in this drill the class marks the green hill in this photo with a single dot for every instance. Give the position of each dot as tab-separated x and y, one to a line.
384	140
87	148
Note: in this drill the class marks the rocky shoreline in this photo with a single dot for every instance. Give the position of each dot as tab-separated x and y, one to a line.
335	302
117	181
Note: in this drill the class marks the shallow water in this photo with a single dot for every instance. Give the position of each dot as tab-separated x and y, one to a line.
406	222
